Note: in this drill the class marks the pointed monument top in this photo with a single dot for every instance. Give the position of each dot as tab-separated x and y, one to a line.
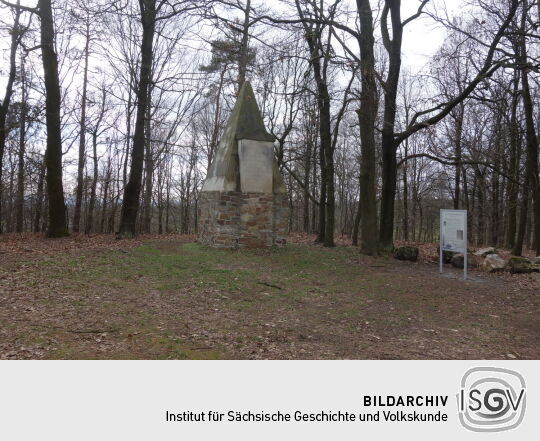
245	126
246	117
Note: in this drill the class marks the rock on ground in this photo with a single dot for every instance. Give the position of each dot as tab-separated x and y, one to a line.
493	262
483	252
522	265
406	253
535	276
458	261
446	255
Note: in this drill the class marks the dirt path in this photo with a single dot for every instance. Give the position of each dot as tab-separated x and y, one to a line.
171	298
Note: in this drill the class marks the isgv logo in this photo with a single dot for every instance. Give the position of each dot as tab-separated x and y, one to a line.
491	399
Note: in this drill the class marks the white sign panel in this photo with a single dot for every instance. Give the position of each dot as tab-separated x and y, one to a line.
454	230
453	235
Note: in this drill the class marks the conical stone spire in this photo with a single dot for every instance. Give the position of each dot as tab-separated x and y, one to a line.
245	123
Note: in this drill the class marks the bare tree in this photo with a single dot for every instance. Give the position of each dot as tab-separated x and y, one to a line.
16	35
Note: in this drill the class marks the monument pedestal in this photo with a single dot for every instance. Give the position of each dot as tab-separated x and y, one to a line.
242	220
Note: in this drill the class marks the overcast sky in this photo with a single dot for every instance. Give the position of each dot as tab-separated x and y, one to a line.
423	37
420	40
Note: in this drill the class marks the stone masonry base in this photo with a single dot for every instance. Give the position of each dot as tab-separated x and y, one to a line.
242	220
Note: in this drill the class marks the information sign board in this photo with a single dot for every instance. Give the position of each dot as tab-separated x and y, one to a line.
453	235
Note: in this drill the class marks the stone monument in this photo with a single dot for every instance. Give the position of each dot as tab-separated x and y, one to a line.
243	201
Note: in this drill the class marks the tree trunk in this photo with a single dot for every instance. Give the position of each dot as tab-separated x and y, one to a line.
457	153
322	199
405	196
53	155
532	147
307	171
244	49
160	183
512	196
167	203
530	186
366	117
39	198
4	105
106	185
148	181
215	129
132	191
330	196
389	145
82	134
313	36
495	187
522	223
356	225
481	216
22	148
90	215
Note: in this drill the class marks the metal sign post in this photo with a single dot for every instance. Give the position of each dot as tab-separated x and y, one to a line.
453	235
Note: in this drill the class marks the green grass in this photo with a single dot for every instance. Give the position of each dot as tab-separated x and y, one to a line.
174	300
244	281
300	271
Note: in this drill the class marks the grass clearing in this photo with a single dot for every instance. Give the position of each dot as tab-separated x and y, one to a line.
170	299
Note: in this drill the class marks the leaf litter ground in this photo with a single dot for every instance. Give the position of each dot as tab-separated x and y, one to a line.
170	298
